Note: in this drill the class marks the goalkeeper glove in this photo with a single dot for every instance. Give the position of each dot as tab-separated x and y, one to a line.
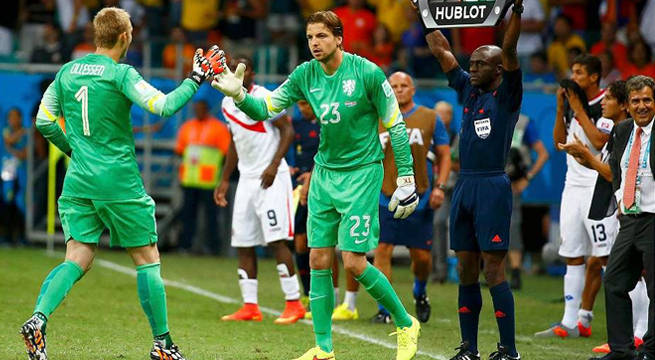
201	68
404	200
231	84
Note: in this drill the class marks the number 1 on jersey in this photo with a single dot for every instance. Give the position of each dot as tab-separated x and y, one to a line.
82	96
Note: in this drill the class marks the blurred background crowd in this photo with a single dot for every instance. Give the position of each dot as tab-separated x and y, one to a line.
384	31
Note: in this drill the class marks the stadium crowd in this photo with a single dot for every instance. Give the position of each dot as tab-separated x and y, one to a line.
384	31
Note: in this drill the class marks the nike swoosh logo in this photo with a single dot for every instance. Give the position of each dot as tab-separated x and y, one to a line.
314	90
318	297
357	242
327	358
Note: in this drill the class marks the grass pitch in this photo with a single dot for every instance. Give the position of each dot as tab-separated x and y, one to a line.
101	318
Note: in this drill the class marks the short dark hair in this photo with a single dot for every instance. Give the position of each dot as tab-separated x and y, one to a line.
633	45
618	90
246	60
329	19
541	55
638	82
591	63
566	18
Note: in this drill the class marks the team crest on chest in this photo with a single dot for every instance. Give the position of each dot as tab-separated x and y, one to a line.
482	127
348	87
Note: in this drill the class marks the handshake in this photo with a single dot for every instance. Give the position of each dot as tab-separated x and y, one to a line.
214	65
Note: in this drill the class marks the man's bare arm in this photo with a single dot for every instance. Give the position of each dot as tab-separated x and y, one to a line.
441	50
510	54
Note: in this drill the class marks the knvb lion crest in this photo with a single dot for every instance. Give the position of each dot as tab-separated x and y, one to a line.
348	87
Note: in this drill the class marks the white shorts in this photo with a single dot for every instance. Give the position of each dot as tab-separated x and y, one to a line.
262	216
580	235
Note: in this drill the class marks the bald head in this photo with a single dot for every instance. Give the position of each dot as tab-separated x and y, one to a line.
445	112
486	67
492	53
403	86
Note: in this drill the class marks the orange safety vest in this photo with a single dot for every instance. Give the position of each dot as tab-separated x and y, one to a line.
203	145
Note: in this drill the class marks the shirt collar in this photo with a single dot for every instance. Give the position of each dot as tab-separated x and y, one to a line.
647	129
411	111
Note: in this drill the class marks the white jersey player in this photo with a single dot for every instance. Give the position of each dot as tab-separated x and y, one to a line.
581	236
263	202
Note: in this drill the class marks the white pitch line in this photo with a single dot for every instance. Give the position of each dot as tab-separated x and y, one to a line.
228	300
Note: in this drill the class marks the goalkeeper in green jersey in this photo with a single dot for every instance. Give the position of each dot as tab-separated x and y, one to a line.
103	187
349	95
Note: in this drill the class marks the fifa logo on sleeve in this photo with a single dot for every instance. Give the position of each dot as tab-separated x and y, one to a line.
348	87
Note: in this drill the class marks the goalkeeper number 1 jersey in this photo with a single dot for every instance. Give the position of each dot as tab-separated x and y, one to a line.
94	94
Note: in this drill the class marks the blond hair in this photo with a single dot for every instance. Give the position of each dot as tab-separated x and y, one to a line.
108	24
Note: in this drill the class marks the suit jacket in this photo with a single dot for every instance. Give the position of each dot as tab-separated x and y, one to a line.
621	137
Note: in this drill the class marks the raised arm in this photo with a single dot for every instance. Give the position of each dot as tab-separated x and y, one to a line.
149	98
46	119
441	50
510	54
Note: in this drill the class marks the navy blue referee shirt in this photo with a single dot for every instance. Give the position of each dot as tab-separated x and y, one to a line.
488	121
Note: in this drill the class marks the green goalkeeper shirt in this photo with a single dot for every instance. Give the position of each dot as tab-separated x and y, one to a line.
348	104
95	94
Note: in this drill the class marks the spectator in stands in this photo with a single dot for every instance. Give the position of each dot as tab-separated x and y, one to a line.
38	13
86	46
419	60
198	17
521	170
558	56
358	26
14	173
609	42
533	22
610	72
282	21
466	40
383	47
640	60
540	71
51	52
154	13
388	13
202	142
181	46
239	20
646	23
72	15
9	22
308	7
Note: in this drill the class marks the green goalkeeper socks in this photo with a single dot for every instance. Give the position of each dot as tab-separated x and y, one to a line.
55	287
153	298
321	298
381	290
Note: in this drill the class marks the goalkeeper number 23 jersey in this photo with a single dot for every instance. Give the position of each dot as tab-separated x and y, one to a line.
94	94
348	105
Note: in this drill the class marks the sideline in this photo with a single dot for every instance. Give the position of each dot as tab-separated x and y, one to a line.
228	300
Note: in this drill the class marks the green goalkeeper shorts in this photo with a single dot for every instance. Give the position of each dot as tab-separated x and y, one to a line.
344	208
131	222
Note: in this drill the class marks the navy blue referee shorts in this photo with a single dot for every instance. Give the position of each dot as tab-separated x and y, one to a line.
415	232
301	220
481	212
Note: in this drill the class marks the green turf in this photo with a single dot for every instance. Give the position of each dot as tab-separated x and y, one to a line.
101	318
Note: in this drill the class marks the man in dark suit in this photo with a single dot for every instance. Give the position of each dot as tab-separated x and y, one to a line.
632	163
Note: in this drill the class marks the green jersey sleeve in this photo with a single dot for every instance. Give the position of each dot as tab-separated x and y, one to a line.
46	118
149	98
277	101
386	105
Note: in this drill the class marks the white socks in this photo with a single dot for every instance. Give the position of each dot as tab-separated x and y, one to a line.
585	317
289	284
573	285
639	297
351	300
248	287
